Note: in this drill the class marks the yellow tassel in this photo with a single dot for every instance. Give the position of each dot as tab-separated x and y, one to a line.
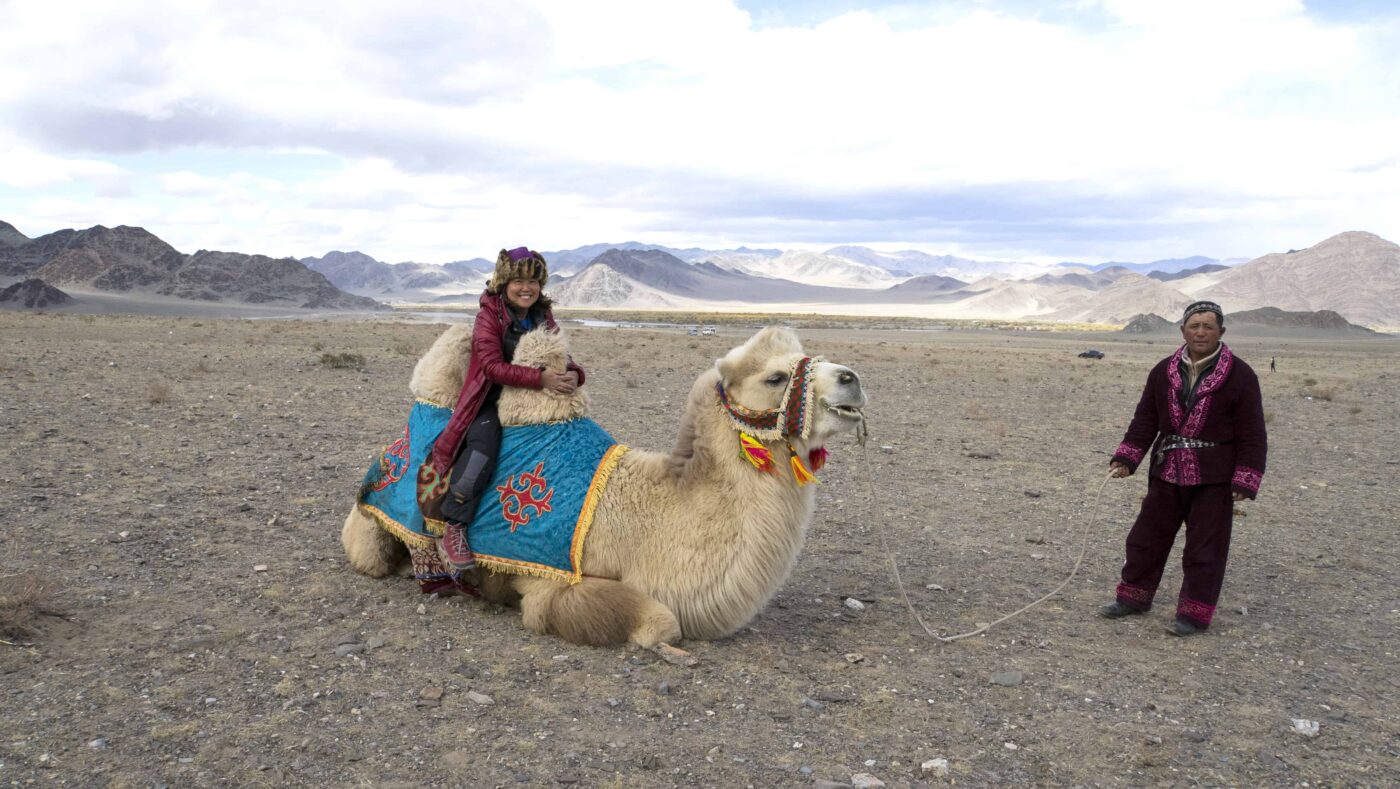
755	453
799	471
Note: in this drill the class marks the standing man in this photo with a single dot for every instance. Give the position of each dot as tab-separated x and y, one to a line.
1201	421
1273	364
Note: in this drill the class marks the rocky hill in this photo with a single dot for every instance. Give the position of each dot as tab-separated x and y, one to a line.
1321	320
1355	274
1148	323
132	260
34	293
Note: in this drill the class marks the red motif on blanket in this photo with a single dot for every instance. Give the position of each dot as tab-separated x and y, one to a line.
394	462
533	493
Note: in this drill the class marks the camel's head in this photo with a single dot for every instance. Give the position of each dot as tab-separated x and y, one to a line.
547	350
772	390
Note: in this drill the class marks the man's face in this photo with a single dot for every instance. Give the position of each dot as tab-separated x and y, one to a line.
1202	334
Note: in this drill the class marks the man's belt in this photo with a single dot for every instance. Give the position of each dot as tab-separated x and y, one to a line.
1172	441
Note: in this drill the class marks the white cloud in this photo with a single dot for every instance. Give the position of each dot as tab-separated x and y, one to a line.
622	118
25	168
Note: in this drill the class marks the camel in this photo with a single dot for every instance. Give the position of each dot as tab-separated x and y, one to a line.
686	544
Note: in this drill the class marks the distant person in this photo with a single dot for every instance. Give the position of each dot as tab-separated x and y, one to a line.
512	304
1201	422
1273	364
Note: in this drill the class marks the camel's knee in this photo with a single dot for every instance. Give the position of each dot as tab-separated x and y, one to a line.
656	626
370	549
595	612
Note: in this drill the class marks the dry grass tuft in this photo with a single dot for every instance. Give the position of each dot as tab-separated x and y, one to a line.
343	361
158	393
317	346
24	597
202	366
404	348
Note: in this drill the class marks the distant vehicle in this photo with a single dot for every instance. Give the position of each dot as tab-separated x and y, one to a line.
1091	354
693	331
708	330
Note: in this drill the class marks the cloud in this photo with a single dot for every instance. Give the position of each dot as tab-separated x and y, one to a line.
1144	122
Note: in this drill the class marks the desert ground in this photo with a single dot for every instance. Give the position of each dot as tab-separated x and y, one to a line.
176	487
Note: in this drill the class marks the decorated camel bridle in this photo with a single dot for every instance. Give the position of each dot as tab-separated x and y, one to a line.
791	419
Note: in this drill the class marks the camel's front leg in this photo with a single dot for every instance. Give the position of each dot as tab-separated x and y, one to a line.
595	612
370	549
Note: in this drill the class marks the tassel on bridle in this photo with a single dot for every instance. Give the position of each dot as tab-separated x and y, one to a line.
799	471
755	453
816	458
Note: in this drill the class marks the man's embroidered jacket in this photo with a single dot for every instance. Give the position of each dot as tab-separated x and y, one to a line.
1226	408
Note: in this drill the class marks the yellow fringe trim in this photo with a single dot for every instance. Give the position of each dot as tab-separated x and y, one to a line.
590	504
426	401
517	567
406	535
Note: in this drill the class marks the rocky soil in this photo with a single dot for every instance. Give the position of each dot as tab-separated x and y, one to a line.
182	481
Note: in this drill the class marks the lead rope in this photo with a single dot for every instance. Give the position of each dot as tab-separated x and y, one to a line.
894	566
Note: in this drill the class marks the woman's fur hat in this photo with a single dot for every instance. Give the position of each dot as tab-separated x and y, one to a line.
518	263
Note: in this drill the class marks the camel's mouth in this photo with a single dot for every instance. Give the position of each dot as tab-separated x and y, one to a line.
843	410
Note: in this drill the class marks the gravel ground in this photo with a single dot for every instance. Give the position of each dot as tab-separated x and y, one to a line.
181	481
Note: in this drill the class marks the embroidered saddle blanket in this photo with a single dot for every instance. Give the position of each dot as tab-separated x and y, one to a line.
535	516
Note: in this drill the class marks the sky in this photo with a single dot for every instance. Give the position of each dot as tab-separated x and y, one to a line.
1092	130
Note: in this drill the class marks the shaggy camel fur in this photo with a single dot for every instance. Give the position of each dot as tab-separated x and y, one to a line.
686	544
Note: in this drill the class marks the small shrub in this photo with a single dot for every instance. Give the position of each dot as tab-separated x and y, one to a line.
158	392
342	361
1354	410
404	348
24	597
202	366
623	364
628	383
1309	382
317	346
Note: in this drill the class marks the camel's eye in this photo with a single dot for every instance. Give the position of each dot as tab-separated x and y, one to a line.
776	379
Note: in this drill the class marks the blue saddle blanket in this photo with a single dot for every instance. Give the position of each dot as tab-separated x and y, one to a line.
535	516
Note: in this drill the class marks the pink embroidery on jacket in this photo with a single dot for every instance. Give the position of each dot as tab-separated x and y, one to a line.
1248	478
1132	453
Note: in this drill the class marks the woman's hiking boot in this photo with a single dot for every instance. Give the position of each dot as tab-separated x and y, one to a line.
455	550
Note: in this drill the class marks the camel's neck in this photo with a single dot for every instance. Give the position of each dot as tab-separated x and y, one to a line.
753	522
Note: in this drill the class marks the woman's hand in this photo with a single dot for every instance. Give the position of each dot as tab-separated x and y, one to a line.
1237	495
559	383
1119	469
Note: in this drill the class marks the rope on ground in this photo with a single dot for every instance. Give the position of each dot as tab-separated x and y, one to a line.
899	582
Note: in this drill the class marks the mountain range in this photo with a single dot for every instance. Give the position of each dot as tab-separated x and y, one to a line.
1355	274
132	260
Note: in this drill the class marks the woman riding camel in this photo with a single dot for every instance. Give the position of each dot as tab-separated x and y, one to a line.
466	450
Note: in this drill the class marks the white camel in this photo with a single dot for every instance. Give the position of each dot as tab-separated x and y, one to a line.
690	543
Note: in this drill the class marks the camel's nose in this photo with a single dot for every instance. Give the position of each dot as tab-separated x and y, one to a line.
847	377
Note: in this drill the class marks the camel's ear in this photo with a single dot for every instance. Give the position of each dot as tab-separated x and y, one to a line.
767	343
